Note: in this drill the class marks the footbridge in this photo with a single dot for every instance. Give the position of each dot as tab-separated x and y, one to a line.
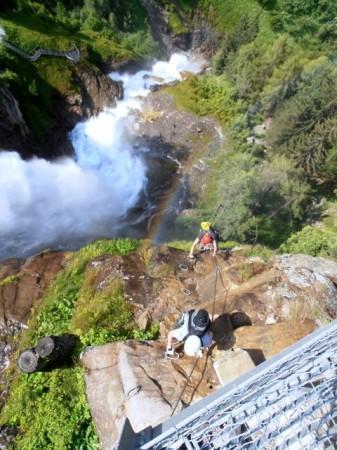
72	54
287	402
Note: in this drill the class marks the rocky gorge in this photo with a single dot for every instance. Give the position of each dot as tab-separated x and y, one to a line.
95	91
132	144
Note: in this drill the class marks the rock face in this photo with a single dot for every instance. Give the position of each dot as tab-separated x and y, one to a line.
22	284
159	25
264	341
160	283
96	91
176	140
198	34
132	380
13	129
258	307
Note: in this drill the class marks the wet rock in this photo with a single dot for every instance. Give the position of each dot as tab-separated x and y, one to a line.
159	25
176	136
13	129
7	434
177	128
94	92
97	91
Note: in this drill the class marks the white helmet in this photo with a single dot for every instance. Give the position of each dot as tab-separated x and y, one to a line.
192	346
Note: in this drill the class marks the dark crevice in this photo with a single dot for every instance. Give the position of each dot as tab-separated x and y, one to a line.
157	384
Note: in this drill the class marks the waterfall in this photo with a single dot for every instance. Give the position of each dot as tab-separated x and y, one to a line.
69	202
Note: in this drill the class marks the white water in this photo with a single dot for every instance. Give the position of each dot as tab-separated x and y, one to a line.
66	203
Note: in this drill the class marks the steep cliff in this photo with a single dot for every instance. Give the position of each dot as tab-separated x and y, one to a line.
14	132
123	290
92	91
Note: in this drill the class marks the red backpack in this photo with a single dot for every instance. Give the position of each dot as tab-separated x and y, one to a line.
206	239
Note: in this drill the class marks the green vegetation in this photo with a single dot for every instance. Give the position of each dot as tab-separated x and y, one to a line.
180	245
50	408
8	280
206	96
312	241
102	30
274	67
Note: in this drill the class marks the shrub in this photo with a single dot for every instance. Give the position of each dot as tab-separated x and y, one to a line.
181	245
311	241
7	77
51	410
102	309
8	280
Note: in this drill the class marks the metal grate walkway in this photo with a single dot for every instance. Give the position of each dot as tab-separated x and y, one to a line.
288	402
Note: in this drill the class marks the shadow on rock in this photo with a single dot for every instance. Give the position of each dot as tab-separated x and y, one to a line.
223	327
223	332
256	354
240	319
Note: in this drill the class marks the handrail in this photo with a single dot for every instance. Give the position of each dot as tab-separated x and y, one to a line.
72	55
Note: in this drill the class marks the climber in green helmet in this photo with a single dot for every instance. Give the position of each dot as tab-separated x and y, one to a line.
208	239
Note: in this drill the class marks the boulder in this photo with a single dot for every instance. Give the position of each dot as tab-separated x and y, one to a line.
23	283
144	320
132	380
264	341
97	91
230	364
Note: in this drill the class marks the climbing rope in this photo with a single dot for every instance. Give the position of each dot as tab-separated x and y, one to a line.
217	271
185	386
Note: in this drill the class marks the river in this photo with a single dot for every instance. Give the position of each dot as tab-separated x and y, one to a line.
67	203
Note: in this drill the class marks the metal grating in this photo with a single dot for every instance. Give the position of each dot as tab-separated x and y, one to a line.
288	402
